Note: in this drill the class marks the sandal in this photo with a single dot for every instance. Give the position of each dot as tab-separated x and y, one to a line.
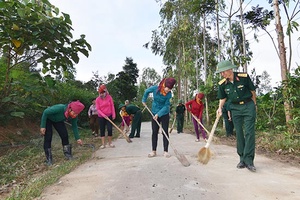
167	155
152	154
102	147
111	145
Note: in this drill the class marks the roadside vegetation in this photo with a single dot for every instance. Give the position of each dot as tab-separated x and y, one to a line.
38	55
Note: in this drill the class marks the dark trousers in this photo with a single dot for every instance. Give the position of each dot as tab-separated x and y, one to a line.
243	117
164	120
105	123
94	125
61	129
136	124
228	124
180	121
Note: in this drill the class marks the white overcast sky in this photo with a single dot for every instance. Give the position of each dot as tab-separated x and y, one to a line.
117	29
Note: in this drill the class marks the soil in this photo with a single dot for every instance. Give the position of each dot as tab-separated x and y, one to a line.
126	172
135	162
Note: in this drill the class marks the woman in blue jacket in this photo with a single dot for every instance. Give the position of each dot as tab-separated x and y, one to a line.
160	110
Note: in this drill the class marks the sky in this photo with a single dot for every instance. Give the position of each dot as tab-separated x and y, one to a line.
117	29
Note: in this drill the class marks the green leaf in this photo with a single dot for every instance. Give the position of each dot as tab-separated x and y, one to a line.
6	99
75	57
84	52
21	12
17	114
2	4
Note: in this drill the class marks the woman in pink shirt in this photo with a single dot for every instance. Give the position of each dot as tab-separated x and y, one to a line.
106	109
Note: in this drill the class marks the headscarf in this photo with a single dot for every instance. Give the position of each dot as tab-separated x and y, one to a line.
166	82
199	97
103	89
76	106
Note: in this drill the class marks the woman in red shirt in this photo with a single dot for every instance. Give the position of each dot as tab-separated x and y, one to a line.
196	107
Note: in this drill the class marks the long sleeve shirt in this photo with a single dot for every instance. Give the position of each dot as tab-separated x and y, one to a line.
161	103
92	110
56	113
105	106
132	109
195	108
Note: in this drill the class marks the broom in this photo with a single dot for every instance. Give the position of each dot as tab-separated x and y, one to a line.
124	134
204	153
179	156
171	129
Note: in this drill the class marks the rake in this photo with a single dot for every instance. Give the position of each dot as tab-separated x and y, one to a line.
204	153
124	134
183	160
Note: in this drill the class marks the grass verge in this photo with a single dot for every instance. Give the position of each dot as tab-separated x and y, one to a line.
23	172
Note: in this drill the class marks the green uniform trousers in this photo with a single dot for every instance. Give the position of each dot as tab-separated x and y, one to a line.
243	117
228	124
180	121
136	125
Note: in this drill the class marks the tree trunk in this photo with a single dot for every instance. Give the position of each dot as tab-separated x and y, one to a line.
244	37
205	65
283	63
218	30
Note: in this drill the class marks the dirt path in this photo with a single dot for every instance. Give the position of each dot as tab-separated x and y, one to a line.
125	172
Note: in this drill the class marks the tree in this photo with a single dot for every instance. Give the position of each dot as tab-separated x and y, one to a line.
283	61
264	85
131	69
31	35
150	77
124	85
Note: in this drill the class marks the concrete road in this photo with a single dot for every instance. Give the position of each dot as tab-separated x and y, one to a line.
125	172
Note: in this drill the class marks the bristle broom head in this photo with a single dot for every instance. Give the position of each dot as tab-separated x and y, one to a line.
204	155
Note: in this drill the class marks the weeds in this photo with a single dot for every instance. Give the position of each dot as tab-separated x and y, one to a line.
23	172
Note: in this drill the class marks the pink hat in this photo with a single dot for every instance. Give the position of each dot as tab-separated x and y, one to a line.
76	106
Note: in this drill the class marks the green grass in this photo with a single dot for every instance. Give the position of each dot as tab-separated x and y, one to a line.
24	173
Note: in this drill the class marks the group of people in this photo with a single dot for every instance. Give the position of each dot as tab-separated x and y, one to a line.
236	93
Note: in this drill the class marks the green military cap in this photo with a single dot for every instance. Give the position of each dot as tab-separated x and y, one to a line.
180	101
121	105
224	65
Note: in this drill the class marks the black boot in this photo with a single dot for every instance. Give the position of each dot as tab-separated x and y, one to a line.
48	154
68	151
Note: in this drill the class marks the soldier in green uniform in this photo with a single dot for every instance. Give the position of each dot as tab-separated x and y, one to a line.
180	109
137	119
240	90
226	113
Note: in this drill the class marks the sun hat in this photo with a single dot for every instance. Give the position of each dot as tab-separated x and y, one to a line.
225	65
